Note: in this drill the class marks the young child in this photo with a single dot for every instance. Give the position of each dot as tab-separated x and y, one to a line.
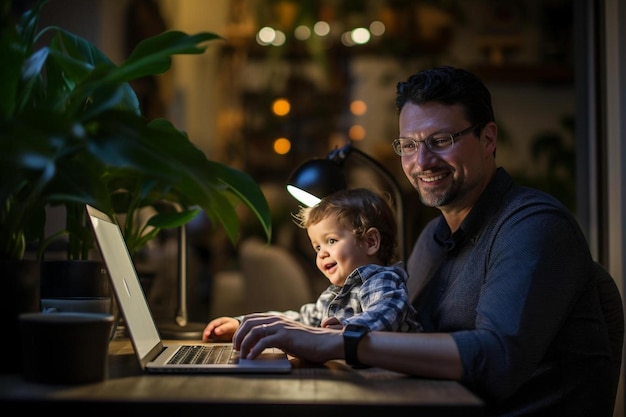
353	233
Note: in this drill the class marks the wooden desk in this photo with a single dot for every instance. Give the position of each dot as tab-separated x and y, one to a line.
309	390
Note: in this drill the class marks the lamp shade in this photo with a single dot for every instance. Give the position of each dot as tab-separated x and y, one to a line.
314	179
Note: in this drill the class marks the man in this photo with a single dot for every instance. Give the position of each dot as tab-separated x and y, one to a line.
506	292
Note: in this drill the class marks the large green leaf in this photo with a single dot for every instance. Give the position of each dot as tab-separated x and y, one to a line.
153	55
72	132
16	44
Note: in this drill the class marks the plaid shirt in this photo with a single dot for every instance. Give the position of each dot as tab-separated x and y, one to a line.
373	295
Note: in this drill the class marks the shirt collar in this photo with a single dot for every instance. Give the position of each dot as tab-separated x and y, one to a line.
485	207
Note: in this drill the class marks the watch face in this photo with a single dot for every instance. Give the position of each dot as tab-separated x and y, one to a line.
352	335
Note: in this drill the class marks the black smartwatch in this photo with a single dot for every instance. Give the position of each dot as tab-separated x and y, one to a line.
352	335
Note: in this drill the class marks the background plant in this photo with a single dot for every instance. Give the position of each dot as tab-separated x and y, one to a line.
72	132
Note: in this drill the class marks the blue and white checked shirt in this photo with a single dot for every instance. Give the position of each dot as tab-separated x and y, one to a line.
373	295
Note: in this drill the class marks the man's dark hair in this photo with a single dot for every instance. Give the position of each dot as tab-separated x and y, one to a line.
448	85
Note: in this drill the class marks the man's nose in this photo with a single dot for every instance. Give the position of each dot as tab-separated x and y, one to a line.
422	155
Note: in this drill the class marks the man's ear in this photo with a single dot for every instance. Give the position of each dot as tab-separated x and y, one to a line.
372	241
490	134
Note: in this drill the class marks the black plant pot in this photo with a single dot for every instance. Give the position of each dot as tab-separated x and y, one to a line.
80	279
20	294
73	278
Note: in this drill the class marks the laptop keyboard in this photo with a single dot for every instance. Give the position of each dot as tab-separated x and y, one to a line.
204	354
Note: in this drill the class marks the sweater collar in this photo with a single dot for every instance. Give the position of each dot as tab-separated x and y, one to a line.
484	209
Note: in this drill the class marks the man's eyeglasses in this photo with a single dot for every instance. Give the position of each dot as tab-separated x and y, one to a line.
437	143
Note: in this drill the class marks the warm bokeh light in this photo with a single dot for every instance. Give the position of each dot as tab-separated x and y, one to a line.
357	132
281	107
358	107
270	36
321	28
302	33
282	146
279	39
360	36
377	28
265	36
346	39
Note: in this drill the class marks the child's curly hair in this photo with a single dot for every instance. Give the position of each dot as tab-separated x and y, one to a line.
357	209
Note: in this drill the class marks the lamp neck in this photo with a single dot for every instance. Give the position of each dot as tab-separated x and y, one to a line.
339	155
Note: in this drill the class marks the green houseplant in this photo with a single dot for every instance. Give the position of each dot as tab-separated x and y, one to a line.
72	132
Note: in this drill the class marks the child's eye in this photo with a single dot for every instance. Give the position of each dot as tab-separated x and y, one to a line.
331	241
316	248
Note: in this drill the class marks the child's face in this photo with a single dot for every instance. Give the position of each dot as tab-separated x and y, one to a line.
338	251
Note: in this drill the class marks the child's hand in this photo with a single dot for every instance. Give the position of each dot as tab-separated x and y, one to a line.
220	329
332	323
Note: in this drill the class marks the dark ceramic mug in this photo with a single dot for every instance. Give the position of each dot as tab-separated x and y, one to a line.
65	347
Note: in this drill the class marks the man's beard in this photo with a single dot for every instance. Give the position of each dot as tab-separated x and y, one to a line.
437	199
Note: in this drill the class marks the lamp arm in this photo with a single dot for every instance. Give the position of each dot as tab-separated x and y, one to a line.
181	328
343	153
181	312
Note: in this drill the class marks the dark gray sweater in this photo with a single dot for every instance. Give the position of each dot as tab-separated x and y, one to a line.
514	287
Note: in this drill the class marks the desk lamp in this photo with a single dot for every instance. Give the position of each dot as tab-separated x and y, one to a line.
319	177
181	328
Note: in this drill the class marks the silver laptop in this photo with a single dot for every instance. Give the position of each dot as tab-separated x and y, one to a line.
153	355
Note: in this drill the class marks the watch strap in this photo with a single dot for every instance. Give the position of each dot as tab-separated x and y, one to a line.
352	336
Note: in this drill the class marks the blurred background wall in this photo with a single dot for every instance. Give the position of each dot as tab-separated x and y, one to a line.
340	91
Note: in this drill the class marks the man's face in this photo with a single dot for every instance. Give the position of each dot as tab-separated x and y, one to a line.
451	179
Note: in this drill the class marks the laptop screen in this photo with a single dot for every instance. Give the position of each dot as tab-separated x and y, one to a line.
123	276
